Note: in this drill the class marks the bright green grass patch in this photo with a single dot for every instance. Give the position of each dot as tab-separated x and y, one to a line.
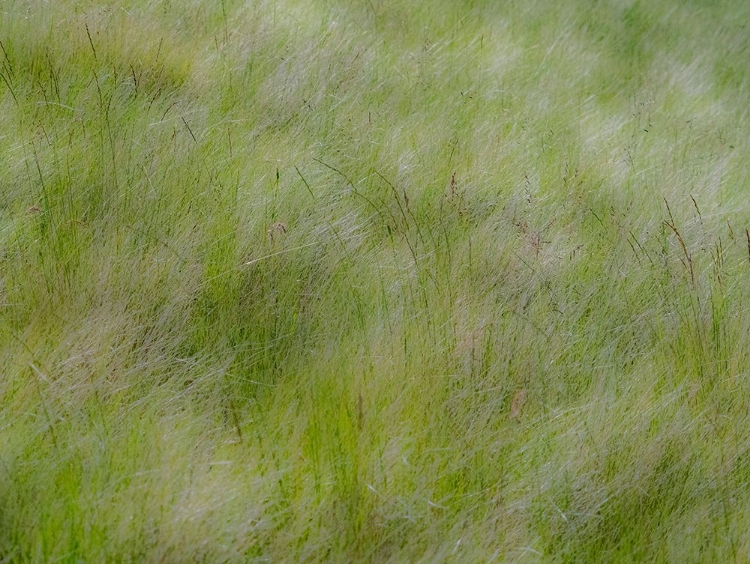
374	281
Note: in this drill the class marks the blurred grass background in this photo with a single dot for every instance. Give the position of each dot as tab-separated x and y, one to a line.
374	281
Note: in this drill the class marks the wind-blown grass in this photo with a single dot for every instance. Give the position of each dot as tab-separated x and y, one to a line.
374	281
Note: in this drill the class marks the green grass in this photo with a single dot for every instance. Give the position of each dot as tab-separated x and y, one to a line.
447	281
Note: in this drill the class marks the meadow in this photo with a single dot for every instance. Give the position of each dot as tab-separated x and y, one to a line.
374	281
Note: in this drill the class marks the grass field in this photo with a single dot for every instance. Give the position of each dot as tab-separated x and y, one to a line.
374	281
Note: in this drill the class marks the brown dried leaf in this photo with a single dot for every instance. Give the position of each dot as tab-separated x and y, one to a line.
516	405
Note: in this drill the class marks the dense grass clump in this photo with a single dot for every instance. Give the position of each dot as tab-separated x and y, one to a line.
445	281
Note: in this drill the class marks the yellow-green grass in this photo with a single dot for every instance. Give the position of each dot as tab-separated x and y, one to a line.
446	281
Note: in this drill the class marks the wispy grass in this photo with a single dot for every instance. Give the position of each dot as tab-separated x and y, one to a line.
368	281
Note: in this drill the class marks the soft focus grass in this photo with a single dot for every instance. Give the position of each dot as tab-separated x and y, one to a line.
374	281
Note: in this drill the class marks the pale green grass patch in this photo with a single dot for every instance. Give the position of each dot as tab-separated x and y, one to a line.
369	281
